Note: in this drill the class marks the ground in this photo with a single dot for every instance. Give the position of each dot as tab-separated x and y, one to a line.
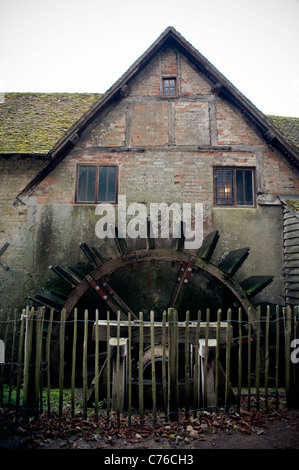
246	429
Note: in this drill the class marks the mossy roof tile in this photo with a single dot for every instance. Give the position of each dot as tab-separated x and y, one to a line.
34	122
289	126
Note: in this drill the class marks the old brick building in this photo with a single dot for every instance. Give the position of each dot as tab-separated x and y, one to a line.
171	129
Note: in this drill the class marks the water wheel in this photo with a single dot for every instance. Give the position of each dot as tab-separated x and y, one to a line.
97	280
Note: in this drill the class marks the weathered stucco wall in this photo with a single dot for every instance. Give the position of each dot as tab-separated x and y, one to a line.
165	149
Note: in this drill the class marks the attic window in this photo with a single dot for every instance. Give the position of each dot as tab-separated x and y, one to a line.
96	184
169	86
234	187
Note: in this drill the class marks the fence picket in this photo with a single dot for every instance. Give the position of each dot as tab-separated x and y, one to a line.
61	359
267	354
20	359
196	366
277	358
217	356
257	357
164	385
74	357
173	365
48	365
205	362
187	364
154	397
288	330
249	359
96	369
240	360
228	351
108	368
140	382
130	368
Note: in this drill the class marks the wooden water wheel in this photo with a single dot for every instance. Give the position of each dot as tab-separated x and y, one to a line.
188	265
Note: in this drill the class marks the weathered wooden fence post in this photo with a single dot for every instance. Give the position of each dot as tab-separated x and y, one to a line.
84	365
257	357
74	356
164	378
173	395
154	397
187	365
267	355
228	354
196	367
140	376
48	356
277	358
20	359
249	358
61	359
96	369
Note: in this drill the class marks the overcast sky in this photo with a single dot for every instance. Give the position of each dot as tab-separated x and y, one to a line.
86	45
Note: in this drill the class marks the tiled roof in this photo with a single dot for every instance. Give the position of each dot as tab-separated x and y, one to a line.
289	126
33	122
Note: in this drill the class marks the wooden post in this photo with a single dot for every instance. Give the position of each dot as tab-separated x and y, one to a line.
249	356
267	355
187	364
154	397
228	350
240	360
140	381
108	368
38	355
205	361
74	355
27	386
130	369
288	330
48	355
20	359
196	366
61	359
117	370
173	395
217	365
96	370
164	389
85	345
277	358
257	356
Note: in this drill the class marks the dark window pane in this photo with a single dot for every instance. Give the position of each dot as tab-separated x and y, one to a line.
248	188
111	193
224	187
107	184
240	187
86	184
244	187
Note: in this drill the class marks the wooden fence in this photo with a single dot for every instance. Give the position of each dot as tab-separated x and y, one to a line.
232	359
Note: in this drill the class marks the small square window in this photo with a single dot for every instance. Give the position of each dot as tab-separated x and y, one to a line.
234	187
169	87
96	184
